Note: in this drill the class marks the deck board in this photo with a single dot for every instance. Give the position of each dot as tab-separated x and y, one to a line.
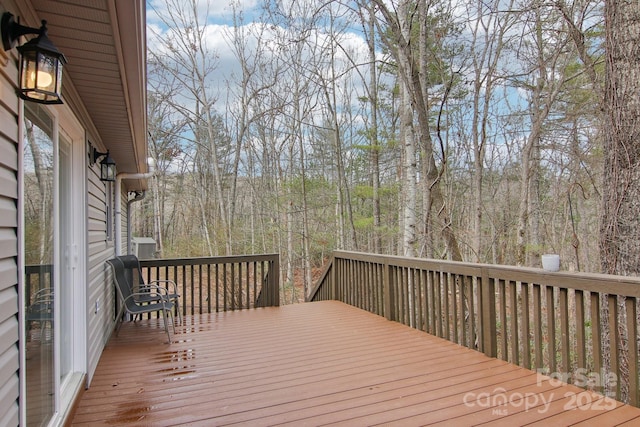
317	364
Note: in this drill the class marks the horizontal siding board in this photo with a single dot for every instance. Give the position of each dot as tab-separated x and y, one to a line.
8	273
96	214
8	155
9	364
8	243
9	392
8	305
8	124
8	212
97	250
8	183
8	98
9	331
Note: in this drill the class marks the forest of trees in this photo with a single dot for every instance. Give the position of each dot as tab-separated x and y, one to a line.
474	130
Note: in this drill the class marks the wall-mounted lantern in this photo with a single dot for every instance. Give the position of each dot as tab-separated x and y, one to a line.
40	62
107	165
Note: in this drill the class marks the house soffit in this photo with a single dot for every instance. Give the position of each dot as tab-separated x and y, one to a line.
104	42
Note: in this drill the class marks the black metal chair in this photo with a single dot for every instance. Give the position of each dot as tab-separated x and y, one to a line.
133	272
131	305
40	311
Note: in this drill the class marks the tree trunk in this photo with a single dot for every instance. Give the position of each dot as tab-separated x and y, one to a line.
408	70
375	143
620	233
408	174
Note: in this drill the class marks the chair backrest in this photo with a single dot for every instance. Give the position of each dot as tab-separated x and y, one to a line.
132	271
122	284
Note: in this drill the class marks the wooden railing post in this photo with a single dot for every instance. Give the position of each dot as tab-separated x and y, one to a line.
488	314
275	281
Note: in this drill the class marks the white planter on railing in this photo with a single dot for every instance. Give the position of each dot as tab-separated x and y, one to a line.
551	262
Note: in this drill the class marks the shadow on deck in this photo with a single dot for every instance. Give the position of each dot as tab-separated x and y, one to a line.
320	363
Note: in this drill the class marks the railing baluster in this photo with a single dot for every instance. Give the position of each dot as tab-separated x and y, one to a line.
537	325
525	325
596	332
462	285
439	309
632	350
613	341
217	287
224	287
565	349
551	329
200	304
503	320
473	330
432	303
255	283
581	358
247	285
444	280
234	297
453	293
513	310
420	296
192	283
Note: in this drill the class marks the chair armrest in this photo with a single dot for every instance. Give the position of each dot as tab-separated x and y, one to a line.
162	299
169	282
155	288
151	289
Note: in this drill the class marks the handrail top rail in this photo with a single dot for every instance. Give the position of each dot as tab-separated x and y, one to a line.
38	267
596	282
161	262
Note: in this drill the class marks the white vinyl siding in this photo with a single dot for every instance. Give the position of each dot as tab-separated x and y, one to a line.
100	287
9	301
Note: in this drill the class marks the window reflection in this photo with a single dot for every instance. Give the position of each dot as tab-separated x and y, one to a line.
38	249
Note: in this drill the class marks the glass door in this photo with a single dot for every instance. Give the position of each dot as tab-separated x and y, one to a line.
40	289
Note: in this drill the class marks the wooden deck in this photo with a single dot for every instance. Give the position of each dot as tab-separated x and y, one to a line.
321	363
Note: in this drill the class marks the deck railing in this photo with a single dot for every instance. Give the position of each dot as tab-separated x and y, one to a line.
215	284
576	327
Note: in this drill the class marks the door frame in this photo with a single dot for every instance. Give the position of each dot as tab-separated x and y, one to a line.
74	134
65	122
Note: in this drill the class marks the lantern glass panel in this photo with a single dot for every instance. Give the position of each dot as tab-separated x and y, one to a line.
41	77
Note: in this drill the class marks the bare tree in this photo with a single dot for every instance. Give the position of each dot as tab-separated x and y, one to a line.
183	51
489	30
548	70
409	71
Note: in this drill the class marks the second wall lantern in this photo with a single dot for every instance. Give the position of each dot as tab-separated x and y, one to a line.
107	165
